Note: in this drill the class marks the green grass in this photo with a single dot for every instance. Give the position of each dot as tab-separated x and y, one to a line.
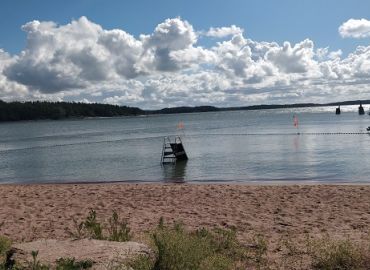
72	264
176	248
5	245
329	254
203	249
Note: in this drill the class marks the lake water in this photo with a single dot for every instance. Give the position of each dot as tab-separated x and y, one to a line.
239	146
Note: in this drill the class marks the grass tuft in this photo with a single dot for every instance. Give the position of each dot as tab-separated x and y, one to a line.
328	254
117	230
72	264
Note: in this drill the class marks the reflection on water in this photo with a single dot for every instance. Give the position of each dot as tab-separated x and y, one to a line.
174	173
296	142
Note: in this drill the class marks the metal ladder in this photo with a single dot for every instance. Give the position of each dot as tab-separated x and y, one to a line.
168	156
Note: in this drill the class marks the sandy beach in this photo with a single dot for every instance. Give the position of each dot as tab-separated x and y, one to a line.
31	212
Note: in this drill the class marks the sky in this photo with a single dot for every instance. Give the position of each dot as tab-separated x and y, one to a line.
164	53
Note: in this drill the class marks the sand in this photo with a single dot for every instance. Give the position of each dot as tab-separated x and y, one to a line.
30	212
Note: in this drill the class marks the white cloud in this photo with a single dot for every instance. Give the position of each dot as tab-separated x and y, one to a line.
296	59
173	35
9	90
355	29
83	61
221	32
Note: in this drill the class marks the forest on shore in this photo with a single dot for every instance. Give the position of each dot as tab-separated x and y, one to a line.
42	110
39	110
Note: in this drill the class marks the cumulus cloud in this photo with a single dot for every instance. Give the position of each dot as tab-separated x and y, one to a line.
355	29
167	67
296	59
73	56
173	35
221	32
9	90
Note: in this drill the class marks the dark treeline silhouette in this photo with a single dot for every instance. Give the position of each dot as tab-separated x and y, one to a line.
16	111
184	110
37	110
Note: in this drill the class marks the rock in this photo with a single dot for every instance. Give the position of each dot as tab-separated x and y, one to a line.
102	253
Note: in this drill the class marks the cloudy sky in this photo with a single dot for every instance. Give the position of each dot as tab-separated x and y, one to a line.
163	53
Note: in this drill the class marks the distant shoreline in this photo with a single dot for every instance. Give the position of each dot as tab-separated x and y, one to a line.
256	183
44	110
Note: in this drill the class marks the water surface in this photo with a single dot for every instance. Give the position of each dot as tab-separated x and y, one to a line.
239	146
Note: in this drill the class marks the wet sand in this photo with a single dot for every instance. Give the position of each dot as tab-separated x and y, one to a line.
31	212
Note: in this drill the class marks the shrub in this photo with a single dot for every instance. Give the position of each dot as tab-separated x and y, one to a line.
328	254
35	264
142	262
119	230
178	249
72	264
93	228
5	245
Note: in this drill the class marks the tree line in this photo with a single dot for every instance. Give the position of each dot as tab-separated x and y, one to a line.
38	110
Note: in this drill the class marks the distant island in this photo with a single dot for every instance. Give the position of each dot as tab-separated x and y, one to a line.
42	110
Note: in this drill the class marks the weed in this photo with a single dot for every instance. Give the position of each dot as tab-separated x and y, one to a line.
330	254
201	250
93	228
79	228
35	264
161	223
118	229
5	245
258	251
72	264
142	262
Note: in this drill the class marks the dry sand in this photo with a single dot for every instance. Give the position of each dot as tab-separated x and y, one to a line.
30	212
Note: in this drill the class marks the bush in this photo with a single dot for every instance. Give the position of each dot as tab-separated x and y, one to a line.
328	254
118	230
142	262
72	264
5	245
178	249
93	228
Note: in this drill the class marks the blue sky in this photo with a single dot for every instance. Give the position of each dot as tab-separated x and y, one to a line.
267	20
247	64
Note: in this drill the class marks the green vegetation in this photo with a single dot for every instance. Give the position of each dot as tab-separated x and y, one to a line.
37	110
119	230
203	249
5	245
35	264
72	264
116	230
176	248
328	254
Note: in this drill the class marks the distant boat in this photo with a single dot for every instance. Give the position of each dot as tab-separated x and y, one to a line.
368	128
337	110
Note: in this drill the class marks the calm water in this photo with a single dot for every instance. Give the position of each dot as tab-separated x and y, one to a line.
238	146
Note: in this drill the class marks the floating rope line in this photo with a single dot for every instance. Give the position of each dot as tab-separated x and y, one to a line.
281	134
